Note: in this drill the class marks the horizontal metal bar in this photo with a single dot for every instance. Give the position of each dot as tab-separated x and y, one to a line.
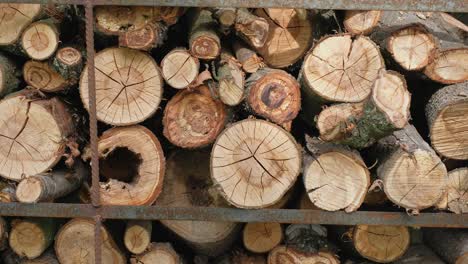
234	215
403	5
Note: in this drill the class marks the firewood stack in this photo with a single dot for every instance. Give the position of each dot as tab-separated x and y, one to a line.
233	107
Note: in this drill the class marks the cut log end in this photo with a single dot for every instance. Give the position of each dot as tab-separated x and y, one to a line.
30	238
412	47
29	190
206	47
361	22
145	38
179	68
137	236
162	253
341	69
230	92
33	131
69	56
274	95
287	255
449	66
192	118
133	164
251	28
289	36
382	244
128	86
255	163
40	40
15	17
262	237
74	243
250	61
332	122
41	76
336	179
456	197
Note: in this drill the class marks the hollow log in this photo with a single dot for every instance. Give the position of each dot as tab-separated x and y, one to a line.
193	118
68	62
48	257
16	17
41	76
360	125
274	95
413	175
131	166
31	237
179	68
361	22
231	80
254	163
35	132
137	237
289	36
204	41
187	184
145	38
162	253
455	198
335	177
129	86
262	237
446	114
75	243
49	186
249	59
286	255
418	254
251	28
450	244
9	75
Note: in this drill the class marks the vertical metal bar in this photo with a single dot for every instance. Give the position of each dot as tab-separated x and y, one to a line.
93	128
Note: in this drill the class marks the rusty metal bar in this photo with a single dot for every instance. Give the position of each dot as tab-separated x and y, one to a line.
402	5
235	215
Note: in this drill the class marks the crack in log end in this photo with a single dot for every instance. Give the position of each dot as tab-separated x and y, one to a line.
261	163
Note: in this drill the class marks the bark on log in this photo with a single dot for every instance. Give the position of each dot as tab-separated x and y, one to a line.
274	95
187	184
418	254
35	133
74	243
254	163
251	28
204	41
226	18
455	198
446	114
231	80
250	61
137	237
193	119
262	237
450	244
309	239
3	234
49	186
68	62
179	68
241	257
413	175
7	193
145	38
361	22
48	257
41	76
360	125
9	75
286	255
129	86
132	161
335	177
162	253
289	36
31	237
16	17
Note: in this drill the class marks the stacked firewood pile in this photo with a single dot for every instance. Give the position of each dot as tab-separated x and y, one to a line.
234	107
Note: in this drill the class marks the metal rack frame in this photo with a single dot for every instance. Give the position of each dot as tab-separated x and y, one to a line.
98	212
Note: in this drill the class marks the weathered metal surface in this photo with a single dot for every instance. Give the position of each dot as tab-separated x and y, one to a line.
234	215
410	5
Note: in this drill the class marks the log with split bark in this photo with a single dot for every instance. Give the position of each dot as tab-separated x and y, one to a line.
450	244
75	243
231	80
187	184
254	163
158	253
35	133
